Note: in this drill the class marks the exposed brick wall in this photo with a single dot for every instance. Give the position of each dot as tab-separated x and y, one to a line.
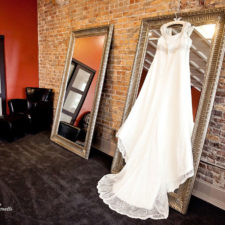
214	147
55	24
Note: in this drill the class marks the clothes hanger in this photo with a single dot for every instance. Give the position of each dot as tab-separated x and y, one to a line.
177	21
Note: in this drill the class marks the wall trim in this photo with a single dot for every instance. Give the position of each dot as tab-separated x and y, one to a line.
104	145
209	193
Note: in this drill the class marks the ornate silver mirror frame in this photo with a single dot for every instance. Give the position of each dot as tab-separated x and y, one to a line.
84	150
179	200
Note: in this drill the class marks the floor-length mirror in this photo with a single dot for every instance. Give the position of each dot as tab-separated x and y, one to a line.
81	89
206	55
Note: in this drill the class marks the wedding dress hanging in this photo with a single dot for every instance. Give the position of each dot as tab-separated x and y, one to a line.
155	139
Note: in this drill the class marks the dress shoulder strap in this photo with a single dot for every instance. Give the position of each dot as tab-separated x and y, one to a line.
164	30
188	29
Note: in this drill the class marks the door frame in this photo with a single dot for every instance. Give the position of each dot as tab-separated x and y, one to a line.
2	74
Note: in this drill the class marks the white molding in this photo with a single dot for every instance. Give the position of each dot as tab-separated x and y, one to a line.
209	193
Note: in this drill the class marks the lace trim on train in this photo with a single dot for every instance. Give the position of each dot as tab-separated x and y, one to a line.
173	185
105	186
122	149
105	192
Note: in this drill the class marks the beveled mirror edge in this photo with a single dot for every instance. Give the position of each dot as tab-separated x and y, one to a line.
98	91
181	200
69	145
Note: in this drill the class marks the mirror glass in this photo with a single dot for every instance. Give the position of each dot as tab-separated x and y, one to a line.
199	53
80	90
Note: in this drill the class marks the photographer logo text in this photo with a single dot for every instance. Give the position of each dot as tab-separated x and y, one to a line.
5	209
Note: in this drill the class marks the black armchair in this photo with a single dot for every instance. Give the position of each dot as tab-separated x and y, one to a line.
37	108
73	133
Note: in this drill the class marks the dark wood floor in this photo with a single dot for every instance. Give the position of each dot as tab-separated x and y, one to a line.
47	185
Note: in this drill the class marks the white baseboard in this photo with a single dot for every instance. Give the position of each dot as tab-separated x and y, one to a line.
209	193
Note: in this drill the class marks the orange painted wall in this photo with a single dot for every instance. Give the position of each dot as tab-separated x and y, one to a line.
18	23
143	76
88	50
195	100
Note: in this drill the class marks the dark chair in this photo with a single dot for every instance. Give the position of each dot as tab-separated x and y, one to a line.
68	131
37	108
73	133
12	127
83	125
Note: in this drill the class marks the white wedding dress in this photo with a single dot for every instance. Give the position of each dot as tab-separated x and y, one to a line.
155	139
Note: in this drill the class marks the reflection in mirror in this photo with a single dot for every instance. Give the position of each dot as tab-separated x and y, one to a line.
79	97
81	89
199	53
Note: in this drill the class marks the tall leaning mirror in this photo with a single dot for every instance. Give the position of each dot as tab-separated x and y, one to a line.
206	55
81	89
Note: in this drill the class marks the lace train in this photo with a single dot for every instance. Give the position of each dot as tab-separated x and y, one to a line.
105	186
160	210
105	192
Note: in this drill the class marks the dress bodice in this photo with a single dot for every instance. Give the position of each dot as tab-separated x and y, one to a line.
180	40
